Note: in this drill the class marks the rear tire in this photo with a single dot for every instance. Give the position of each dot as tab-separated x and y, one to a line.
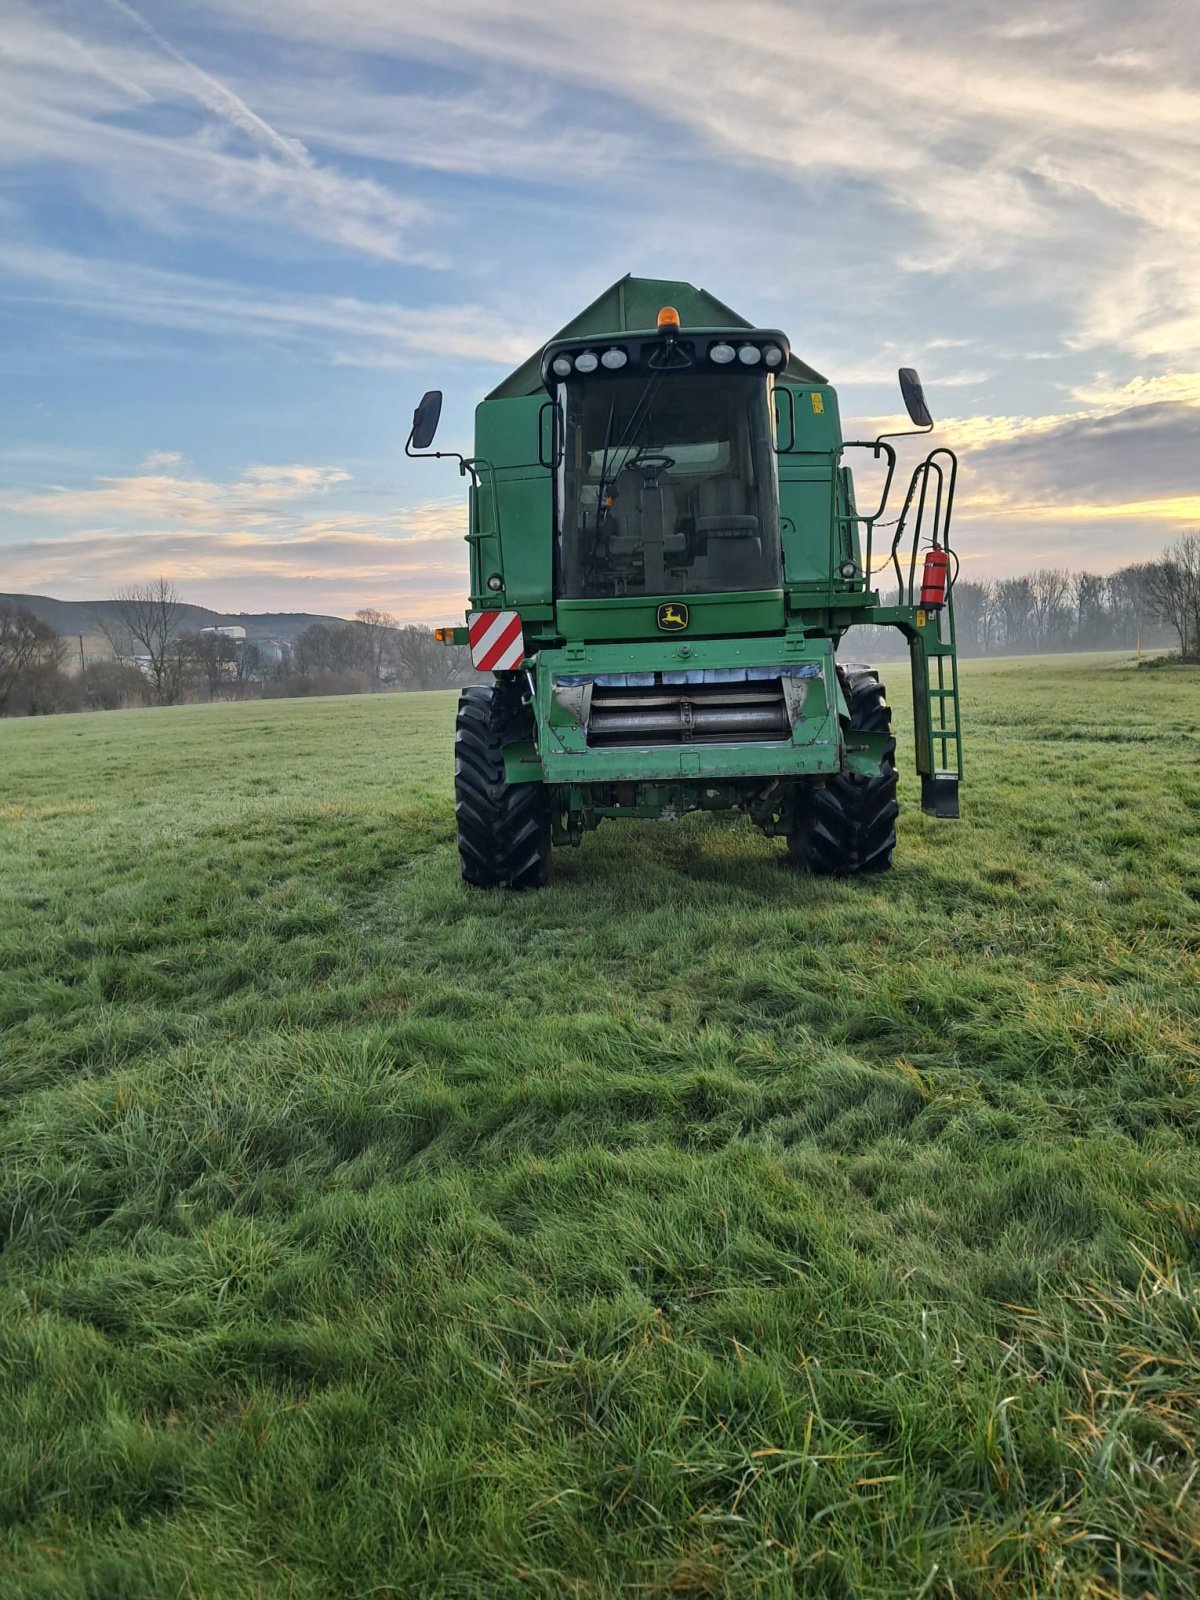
503	828
849	825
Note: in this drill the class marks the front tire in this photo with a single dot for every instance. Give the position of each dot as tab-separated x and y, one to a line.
849	825
503	828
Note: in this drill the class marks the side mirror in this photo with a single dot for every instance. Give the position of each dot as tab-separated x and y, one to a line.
914	398
425	420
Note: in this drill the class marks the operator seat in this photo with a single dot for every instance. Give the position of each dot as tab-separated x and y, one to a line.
646	520
732	537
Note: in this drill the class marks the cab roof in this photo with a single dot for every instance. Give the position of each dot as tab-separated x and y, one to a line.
632	305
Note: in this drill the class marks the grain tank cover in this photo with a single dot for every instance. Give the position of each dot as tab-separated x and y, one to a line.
632	305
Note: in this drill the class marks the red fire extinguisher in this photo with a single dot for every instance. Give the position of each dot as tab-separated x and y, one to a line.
933	579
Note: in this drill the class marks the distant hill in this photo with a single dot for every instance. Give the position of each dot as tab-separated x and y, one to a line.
72	617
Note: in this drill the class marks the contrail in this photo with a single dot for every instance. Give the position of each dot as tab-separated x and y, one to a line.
219	99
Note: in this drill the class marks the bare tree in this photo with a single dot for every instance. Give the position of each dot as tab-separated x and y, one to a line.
1014	610
380	630
332	647
112	687
975	614
1093	616
1173	588
145	628
1132	611
423	662
214	657
1049	590
31	663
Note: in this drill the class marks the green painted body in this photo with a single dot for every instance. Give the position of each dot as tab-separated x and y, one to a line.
794	627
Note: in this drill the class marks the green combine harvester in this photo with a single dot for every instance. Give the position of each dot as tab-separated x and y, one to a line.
666	552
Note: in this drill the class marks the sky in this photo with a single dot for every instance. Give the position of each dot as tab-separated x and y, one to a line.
238	241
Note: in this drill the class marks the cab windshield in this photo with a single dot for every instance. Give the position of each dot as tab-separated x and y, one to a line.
667	486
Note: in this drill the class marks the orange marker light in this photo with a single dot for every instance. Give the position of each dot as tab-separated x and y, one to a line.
444	635
668	317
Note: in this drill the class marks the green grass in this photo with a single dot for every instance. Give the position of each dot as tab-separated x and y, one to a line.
688	1229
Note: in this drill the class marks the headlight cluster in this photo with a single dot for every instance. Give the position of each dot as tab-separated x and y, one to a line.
587	361
748	354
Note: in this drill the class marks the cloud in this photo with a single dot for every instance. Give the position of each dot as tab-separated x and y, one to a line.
987	140
1076	489
342	327
255	499
1125	60
501	129
1014	146
1019	177
227	105
1098	398
321	569
1137	457
170	143
1104	394
1036	27
263	538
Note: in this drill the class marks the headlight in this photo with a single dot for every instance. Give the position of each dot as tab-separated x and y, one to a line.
561	366
772	355
613	359
749	354
722	354
587	362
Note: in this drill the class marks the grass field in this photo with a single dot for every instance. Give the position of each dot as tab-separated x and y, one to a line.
688	1229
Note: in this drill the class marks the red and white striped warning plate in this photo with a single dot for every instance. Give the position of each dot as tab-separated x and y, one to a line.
497	643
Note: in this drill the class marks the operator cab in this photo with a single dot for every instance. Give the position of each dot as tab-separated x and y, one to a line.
665	477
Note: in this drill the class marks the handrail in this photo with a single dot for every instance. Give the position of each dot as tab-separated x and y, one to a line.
940	509
838	520
473	465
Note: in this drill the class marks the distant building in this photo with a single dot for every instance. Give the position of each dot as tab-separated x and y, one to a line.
273	652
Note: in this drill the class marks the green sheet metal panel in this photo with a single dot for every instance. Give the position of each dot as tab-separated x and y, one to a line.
709	616
514	489
806	488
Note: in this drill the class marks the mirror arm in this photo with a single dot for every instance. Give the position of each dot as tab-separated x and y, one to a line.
906	433
464	466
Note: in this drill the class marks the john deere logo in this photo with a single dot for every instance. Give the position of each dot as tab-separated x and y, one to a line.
673	617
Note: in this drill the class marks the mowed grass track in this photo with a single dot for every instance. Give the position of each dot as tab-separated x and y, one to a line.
690	1228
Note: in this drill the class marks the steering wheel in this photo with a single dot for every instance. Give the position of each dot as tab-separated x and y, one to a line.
650	465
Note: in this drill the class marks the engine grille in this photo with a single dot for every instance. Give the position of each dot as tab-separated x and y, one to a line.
688	713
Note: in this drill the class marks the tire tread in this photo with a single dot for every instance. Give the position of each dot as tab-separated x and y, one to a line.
503	828
851	822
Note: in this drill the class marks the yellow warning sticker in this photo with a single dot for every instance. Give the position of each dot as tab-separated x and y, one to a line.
920	619
818	402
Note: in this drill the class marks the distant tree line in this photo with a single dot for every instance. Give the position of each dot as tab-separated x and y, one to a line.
154	659
1151	603
372	652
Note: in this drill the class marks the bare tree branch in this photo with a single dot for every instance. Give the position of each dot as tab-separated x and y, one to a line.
31	656
1173	589
148	622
